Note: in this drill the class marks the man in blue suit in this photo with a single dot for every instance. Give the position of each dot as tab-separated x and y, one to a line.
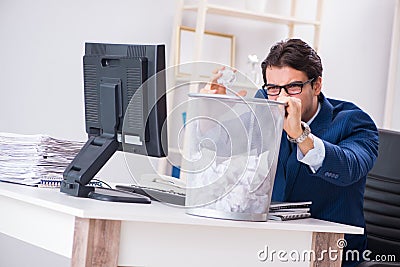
328	146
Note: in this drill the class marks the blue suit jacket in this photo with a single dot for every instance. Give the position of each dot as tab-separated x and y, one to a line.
336	190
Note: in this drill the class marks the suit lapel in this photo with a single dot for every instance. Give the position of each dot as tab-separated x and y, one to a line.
324	118
292	168
278	194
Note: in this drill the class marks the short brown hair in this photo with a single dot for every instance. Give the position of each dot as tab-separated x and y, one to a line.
296	54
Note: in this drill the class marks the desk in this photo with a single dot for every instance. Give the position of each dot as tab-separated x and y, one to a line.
97	233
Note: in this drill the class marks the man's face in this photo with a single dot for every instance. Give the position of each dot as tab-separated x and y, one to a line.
308	96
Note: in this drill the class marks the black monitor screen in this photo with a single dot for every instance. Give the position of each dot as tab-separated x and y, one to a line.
126	68
125	108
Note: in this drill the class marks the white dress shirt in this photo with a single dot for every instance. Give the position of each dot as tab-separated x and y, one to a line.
315	157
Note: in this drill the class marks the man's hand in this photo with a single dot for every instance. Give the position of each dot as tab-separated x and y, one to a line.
292	122
213	87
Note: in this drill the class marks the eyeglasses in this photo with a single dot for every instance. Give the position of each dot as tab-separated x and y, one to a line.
294	88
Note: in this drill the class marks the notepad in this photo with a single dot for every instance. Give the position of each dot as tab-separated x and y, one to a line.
289	216
283	211
289	205
54	181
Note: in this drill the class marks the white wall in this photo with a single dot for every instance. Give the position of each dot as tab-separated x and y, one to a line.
42	47
356	39
42	44
354	45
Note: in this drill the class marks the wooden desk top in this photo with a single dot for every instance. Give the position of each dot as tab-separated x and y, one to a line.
155	212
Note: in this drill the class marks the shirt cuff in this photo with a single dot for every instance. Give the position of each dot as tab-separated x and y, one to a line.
315	157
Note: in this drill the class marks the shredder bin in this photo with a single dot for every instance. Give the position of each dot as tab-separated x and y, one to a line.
230	155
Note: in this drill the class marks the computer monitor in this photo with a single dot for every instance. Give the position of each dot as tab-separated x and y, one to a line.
115	75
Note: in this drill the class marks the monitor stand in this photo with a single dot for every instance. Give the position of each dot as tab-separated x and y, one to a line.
97	151
90	159
114	195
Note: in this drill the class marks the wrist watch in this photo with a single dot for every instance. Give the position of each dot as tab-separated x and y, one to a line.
303	136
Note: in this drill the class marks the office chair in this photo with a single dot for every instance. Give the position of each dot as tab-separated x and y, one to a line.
382	202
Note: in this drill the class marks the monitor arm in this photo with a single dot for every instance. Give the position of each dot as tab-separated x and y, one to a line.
99	149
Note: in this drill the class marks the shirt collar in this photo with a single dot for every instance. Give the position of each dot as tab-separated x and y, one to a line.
315	115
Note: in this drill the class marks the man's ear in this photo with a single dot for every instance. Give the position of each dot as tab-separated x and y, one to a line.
317	85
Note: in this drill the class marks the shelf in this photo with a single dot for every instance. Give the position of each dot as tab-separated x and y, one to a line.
191	83
201	79
231	12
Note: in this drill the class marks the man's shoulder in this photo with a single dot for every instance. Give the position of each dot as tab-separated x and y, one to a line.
345	108
342	105
347	112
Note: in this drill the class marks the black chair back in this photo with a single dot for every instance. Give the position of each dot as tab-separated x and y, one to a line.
382	198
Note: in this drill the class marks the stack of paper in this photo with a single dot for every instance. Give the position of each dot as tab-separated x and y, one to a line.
26	159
